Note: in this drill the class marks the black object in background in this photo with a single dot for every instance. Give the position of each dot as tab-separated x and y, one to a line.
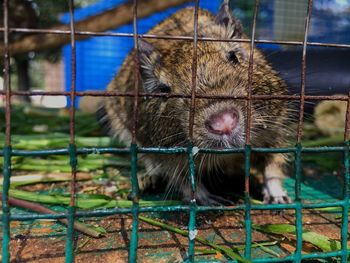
327	70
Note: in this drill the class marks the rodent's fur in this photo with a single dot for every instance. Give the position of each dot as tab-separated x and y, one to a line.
165	66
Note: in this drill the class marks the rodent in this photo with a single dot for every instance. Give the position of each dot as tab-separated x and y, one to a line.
222	68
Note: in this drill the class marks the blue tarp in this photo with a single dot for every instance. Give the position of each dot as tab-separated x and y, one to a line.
99	58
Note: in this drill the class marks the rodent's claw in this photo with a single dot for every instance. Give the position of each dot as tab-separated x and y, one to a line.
280	199
269	198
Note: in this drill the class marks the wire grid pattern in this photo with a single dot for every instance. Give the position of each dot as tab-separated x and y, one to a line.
289	19
72	151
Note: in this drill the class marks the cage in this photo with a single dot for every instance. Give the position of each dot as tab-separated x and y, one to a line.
238	233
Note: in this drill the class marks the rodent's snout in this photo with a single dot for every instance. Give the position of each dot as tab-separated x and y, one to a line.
222	123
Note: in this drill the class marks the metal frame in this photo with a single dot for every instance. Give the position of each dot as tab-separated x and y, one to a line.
71	214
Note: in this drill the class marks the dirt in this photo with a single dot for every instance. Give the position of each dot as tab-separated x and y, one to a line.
44	240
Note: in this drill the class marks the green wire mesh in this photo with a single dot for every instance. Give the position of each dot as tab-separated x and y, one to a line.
192	208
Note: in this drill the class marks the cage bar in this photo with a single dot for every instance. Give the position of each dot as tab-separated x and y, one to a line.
177	208
7	146
176	150
135	206
187	38
298	201
71	147
247	151
179	95
192	232
345	208
346	187
133	147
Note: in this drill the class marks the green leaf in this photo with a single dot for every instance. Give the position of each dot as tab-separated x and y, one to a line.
224	250
94	196
83	203
276	228
322	242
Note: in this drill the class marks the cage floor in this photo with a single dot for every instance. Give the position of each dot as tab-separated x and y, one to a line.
44	240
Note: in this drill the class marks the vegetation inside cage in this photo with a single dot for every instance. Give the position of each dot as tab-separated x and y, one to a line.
41	185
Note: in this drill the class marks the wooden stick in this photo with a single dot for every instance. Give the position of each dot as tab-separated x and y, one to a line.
42	209
107	20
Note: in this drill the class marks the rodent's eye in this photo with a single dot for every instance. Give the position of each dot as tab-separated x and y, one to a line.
163	88
232	57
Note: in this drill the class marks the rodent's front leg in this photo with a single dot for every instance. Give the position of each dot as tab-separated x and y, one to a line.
273	191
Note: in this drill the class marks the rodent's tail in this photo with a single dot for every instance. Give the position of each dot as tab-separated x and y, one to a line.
102	118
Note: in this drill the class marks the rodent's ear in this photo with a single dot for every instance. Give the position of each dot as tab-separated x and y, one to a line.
225	18
149	62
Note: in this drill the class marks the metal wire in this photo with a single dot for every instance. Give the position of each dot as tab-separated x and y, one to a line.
72	146
134	150
297	163
133	147
7	146
192	170
187	38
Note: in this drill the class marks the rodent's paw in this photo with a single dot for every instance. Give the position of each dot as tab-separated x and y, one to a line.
281	198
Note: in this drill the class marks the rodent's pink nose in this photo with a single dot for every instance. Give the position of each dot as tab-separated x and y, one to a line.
222	123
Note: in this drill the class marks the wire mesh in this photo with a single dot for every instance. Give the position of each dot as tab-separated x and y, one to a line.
134	150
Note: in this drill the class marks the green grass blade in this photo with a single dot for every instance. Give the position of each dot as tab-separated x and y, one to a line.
224	250
320	241
83	203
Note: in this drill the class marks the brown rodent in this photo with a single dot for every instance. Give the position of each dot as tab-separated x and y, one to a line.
165	66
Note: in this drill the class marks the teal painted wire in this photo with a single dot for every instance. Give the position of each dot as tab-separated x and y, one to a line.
135	207
247	204
93	150
175	208
71	209
73	161
346	192
298	208
70	235
192	231
134	233
193	206
191	166
134	181
159	150
5	208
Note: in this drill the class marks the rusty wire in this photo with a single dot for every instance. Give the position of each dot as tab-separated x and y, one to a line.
72	103
7	83
72	91
303	73
250	76
194	69
177	95
186	38
136	73
347	119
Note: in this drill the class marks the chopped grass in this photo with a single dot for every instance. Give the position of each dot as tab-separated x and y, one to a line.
320	241
221	249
